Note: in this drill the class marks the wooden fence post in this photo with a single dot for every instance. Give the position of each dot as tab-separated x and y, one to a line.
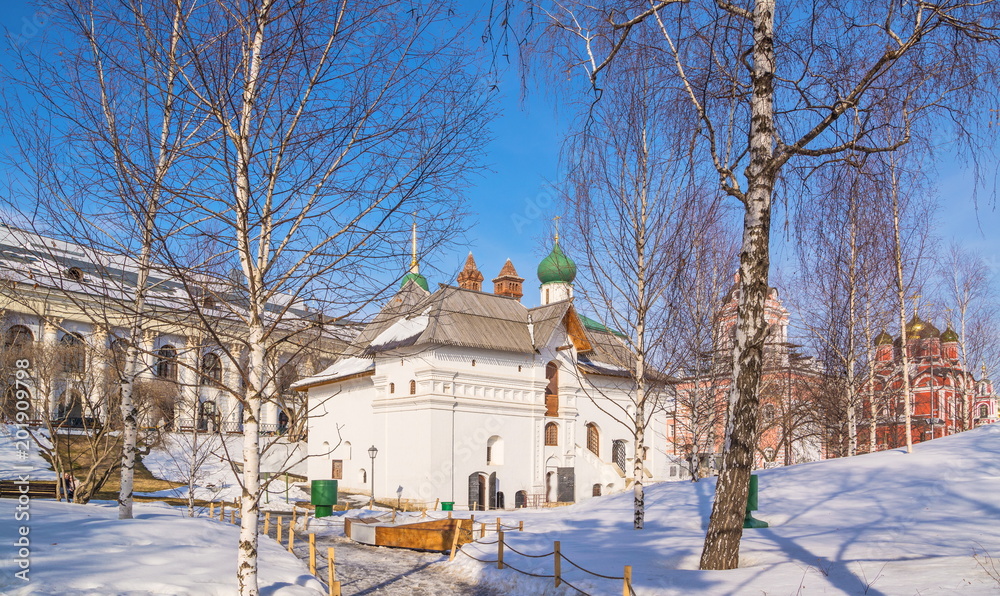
436	501
482	530
520	526
627	582
312	553
457	526
211	510
473	518
222	511
498	524
449	515
278	536
267	522
556	563
499	549
232	516
291	538
331	574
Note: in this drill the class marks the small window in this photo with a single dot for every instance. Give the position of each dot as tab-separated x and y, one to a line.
552	389
473	362
597	487
551	434
494	451
211	369
593	439
166	363
337	471
518	368
618	453
392	388
413	387
74	273
984	411
208	302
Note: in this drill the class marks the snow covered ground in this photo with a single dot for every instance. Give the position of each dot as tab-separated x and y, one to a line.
19	454
206	458
881	524
86	550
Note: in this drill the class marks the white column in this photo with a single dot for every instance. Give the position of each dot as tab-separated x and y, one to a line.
50	339
102	387
188	378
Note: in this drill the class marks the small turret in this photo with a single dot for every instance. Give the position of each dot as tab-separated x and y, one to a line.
470	277
508	283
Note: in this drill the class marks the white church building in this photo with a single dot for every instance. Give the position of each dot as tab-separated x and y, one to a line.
471	397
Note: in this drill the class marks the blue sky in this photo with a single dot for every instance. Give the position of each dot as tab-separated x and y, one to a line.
511	205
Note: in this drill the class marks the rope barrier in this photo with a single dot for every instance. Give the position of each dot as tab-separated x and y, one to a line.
476	558
565	558
509	566
548	554
563	580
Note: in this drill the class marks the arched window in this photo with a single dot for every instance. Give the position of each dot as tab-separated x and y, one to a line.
211	369
618	453
17	336
593	439
494	451
984	411
552	389
392	388
551	434
166	363
74	353
18	340
768	412
413	387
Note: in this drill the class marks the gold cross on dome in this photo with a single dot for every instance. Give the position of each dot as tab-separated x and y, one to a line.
556	220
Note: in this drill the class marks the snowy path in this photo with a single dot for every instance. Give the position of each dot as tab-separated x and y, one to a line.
366	570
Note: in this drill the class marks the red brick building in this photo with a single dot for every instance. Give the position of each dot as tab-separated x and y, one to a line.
946	397
789	385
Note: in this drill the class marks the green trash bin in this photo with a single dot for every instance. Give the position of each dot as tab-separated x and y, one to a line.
323	494
447	505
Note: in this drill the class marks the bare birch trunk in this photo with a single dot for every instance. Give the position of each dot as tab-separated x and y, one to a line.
901	297
130	413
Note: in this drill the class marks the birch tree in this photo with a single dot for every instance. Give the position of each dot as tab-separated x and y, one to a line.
771	85
331	124
106	81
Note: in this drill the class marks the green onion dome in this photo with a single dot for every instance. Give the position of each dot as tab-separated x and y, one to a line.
949	335
557	267
418	279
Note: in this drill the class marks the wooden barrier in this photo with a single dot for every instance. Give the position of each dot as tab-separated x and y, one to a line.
557	563
312	553
291	538
454	541
627	581
499	547
498	525
211	510
331	573
278	537
520	526
222	511
232	516
436	501
35	489
267	522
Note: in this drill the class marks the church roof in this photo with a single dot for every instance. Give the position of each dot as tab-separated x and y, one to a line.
459	317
